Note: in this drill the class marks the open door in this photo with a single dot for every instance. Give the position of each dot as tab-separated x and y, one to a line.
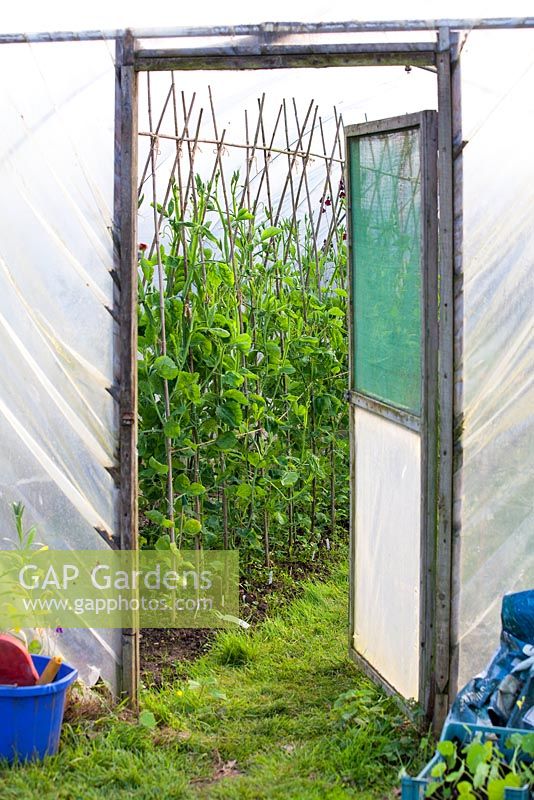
392	227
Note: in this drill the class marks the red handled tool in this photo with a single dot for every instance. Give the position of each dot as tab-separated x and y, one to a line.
16	665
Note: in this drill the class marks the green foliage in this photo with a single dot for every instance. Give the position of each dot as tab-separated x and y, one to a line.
21	547
234	649
25	541
479	770
256	369
147	719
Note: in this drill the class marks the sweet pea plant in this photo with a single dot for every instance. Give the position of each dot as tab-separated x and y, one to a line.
251	451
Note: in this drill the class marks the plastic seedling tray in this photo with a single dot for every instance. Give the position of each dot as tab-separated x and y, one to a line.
414	788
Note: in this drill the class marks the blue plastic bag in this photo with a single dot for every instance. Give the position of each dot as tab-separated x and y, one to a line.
503	695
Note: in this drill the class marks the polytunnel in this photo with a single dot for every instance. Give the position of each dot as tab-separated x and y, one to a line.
440	188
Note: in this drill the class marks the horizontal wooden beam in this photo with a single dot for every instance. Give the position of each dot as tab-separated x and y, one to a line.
277	56
401	122
397	415
253	47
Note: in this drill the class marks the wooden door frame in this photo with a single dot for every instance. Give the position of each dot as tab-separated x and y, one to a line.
440	56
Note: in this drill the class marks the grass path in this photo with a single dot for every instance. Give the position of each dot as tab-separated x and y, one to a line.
255	718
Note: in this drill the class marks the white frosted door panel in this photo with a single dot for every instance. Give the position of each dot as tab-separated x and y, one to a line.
387	549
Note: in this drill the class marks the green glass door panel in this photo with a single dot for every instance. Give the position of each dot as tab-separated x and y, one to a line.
385	203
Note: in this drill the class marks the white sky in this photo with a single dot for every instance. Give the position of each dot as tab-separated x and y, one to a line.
35	15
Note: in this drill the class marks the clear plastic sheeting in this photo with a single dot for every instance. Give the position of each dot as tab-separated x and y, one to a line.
495	484
387	549
57	417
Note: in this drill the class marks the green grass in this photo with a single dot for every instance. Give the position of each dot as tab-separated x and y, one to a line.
256	718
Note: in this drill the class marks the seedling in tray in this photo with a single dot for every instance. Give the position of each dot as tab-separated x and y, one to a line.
480	769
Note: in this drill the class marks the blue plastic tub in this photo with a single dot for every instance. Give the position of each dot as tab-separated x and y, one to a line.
31	716
414	788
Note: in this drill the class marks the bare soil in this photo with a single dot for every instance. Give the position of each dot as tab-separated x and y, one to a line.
163	650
